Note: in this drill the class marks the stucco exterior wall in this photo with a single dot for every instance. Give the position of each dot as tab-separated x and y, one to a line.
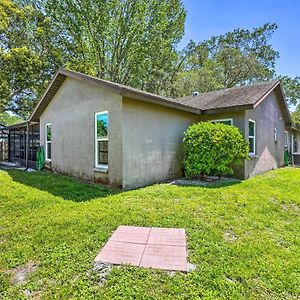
72	116
152	142
269	154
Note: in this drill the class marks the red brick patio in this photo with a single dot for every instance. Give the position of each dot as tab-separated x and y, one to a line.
158	248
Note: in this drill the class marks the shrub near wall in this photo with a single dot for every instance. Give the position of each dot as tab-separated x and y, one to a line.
213	149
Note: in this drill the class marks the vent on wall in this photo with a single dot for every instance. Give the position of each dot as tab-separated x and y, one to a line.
195	94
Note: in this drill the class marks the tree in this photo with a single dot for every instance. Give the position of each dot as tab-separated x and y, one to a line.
130	41
235	58
296	117
292	89
213	149
7	119
27	57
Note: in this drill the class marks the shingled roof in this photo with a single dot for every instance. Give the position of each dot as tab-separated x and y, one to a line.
237	98
243	97
123	90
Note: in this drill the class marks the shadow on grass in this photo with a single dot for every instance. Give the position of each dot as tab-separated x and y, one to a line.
65	187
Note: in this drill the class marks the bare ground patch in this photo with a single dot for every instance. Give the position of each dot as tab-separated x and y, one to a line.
19	275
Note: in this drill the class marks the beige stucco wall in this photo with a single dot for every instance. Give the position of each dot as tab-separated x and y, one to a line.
71	114
152	142
269	154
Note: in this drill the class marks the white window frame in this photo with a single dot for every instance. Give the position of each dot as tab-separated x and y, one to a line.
222	120
97	165
286	138
252	136
47	142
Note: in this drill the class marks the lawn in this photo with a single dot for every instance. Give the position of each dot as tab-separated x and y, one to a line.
243	237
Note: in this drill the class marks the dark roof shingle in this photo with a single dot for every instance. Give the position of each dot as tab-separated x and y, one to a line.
232	97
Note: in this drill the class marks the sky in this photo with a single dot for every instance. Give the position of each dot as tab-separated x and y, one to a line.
206	18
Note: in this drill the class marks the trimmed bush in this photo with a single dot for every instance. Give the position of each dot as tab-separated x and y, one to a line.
213	149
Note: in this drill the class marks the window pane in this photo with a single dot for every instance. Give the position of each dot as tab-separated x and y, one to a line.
48	151
226	122
17	143
103	152
102	125
251	144
48	129
251	128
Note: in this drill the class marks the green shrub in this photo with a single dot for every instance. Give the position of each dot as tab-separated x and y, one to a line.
213	149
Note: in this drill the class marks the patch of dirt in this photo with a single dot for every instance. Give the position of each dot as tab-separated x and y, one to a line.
291	207
230	236
19	275
101	270
197	181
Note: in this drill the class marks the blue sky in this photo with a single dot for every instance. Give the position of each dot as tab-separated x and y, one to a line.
206	18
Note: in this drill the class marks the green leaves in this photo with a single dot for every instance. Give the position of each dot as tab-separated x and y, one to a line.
296	117
7	119
292	89
28	56
213	149
235	58
129	42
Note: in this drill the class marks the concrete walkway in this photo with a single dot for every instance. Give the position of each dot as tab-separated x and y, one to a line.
14	166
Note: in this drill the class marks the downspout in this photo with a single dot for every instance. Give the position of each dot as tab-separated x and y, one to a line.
27	146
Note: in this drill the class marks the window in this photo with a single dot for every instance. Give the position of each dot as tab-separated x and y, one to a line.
223	121
252	137
275	135
48	141
294	144
286	139
101	139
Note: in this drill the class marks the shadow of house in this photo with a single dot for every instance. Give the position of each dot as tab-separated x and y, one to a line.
62	186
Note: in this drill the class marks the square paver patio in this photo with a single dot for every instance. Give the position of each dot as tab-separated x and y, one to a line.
150	247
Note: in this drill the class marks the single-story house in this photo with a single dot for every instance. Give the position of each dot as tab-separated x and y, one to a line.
117	135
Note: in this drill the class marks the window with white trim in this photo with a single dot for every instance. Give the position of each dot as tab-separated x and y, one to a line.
223	121
252	136
286	139
101	139
48	139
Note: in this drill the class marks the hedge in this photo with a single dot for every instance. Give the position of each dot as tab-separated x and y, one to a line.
213	149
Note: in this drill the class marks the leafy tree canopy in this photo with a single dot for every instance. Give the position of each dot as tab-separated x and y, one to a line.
292	89
7	119
296	117
130	42
28	56
235	58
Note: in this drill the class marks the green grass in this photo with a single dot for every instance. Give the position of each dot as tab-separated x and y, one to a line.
60	224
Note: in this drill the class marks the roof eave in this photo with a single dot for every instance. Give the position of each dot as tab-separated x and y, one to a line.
61	74
228	109
18	125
